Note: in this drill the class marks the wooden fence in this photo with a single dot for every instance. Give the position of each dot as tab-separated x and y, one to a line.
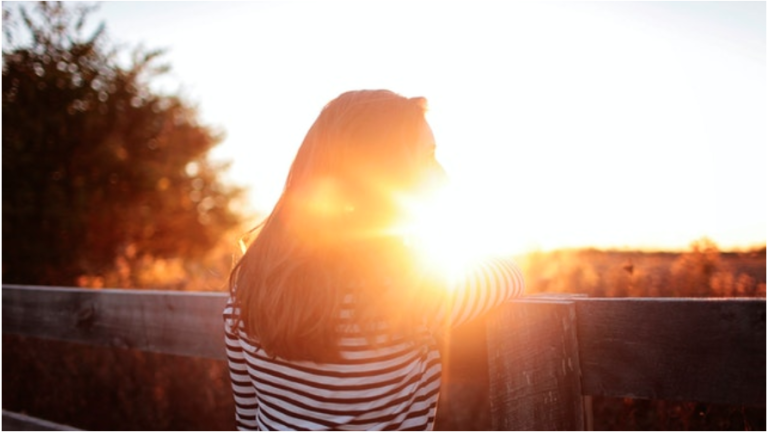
546	355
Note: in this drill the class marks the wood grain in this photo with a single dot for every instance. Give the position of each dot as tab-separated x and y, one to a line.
704	350
546	354
533	355
182	323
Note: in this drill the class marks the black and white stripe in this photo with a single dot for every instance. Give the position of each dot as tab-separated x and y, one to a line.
393	386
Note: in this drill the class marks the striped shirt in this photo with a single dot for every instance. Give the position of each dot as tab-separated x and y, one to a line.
392	386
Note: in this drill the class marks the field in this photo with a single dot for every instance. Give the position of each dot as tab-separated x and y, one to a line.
703	271
97	388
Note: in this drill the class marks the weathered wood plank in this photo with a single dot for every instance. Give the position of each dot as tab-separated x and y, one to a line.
705	350
534	366
182	323
19	422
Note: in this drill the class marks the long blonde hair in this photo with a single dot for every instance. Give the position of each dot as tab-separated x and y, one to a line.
329	236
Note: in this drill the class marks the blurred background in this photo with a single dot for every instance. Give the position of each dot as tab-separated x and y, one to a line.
614	148
624	126
607	124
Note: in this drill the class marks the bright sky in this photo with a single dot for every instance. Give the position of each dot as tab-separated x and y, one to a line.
607	124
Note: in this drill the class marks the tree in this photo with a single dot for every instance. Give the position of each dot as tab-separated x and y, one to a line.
95	164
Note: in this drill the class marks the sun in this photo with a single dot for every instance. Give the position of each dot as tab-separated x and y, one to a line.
451	229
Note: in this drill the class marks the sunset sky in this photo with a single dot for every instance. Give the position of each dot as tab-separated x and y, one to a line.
608	124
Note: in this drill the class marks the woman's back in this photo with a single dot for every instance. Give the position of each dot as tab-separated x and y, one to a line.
392	386
381	382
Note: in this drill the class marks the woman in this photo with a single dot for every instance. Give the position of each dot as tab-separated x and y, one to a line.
332	317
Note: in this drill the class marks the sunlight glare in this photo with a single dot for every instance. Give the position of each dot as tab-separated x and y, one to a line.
449	236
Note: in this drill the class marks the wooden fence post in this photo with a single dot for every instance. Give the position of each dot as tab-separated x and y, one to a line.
535	375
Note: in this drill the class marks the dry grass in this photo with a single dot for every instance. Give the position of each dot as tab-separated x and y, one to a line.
703	271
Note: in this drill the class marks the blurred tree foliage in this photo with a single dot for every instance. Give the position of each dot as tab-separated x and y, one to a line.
96	165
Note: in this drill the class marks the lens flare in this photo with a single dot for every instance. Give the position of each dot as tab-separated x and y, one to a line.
451	231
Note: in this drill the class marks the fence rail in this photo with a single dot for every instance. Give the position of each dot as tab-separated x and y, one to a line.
169	322
545	355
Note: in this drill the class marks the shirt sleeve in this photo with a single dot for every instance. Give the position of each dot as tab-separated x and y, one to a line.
246	403
482	287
